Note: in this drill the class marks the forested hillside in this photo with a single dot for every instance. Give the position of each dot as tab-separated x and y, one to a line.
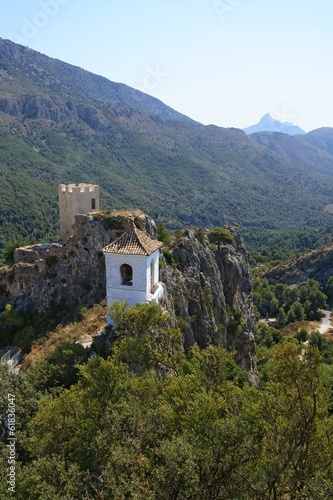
61	124
174	427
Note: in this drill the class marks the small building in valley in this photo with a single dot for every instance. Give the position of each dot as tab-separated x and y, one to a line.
132	269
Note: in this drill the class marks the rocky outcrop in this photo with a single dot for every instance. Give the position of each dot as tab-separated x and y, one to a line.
50	275
92	116
211	290
317	265
48	107
208	287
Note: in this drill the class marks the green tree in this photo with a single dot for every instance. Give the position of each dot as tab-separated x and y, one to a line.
296	312
291	316
59	367
329	290
156	420
316	339
23	398
162	234
282	317
220	235
149	338
292	430
313	299
11	317
302	335
267	336
318	301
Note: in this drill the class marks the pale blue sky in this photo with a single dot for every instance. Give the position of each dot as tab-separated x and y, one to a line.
226	62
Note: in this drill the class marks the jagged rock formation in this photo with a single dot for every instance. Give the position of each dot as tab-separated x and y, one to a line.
317	265
208	287
211	289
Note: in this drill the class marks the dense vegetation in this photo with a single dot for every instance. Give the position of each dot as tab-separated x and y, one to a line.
60	124
22	330
289	304
155	422
271	247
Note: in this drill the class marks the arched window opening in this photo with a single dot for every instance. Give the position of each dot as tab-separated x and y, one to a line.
152	276
93	204
126	273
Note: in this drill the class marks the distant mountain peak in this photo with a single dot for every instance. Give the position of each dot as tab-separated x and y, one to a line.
270	124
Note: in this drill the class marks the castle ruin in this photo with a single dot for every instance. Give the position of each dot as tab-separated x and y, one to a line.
76	199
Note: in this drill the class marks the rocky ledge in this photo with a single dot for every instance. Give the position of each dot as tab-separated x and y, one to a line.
317	265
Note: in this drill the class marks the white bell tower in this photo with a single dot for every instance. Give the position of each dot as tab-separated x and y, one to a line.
132	269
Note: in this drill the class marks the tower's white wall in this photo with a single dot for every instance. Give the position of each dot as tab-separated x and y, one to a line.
155	258
140	290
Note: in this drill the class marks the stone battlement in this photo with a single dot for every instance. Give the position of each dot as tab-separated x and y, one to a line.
78	188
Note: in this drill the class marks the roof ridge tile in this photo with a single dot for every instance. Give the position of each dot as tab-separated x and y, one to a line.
133	242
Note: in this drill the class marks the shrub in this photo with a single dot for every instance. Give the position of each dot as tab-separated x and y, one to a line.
220	235
302	335
168	256
162	234
9	250
110	221
138	222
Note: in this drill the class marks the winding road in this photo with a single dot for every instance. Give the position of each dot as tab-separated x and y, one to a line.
326	324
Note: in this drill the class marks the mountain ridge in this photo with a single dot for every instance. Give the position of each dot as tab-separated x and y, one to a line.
269	124
78	83
59	127
298	149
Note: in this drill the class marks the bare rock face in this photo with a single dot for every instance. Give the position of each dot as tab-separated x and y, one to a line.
211	289
51	275
317	265
208	287
48	108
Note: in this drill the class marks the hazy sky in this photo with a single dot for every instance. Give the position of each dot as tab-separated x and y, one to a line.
226	62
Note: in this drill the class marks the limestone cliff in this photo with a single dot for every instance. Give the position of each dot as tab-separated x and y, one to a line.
209	287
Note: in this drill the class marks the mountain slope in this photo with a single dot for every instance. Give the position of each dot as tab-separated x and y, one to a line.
301	149
269	124
27	76
321	138
61	124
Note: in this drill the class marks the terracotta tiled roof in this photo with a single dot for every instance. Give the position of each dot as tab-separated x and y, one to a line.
134	242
